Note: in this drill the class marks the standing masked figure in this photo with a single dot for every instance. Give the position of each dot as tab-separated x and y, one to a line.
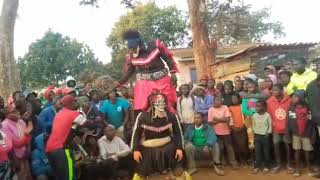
157	139
149	62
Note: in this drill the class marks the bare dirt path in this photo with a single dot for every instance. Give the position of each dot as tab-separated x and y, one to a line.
242	174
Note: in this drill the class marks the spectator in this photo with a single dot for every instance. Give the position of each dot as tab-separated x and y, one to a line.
64	128
40	166
212	91
285	79
270	70
278	106
113	148
238	86
186	107
116	111
45	118
237	79
90	163
300	130
269	81
204	81
220	87
313	97
9	143
227	96
238	130
94	98
262	128
248	107
49	95
301	77
201	139
219	117
202	102
94	118
17	130
128	126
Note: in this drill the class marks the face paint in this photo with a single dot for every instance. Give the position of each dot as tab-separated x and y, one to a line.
160	103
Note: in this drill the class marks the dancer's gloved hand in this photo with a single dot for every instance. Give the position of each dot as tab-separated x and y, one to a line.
179	155
137	156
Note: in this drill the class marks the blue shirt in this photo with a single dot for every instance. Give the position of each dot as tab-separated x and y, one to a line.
45	120
114	112
202	105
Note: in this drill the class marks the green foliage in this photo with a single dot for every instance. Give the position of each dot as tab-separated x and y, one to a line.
128	3
152	22
232	21
52	58
167	24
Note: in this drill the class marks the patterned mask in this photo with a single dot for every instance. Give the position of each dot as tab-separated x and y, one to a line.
160	103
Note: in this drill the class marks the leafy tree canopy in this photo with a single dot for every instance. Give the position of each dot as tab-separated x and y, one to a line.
53	57
232	21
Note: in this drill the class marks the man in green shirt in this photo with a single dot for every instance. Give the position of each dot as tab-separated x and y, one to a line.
201	139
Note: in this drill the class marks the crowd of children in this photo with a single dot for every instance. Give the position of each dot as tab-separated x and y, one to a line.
247	122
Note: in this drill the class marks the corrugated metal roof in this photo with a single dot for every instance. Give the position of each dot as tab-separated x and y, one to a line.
231	51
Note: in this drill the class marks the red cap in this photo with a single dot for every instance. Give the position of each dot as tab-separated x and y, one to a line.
67	100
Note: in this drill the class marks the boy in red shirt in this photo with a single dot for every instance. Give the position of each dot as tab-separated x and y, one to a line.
278	106
58	144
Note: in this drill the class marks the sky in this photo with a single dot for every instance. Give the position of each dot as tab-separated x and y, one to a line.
92	25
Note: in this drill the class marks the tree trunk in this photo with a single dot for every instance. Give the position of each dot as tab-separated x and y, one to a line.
9	76
203	48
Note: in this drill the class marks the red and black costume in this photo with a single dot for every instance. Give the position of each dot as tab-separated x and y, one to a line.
151	72
157	138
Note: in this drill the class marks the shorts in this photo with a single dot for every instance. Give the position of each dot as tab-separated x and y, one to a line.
278	138
303	143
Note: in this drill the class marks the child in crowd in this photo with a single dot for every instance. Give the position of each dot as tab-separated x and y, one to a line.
40	166
16	129
285	79
238	130
212	91
268	83
248	107
300	130
185	106
262	128
220	87
202	102
201	139
227	96
278	106
219	117
238	86
94	98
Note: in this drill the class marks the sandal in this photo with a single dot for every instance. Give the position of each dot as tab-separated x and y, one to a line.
296	174
290	170
255	171
276	170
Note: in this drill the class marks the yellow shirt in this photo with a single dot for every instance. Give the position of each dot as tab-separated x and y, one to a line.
301	81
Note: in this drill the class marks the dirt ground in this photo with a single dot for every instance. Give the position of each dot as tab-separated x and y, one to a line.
241	174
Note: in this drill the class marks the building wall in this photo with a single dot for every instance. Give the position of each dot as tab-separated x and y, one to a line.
184	74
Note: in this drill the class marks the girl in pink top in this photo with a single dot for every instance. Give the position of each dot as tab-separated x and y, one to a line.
219	117
14	135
